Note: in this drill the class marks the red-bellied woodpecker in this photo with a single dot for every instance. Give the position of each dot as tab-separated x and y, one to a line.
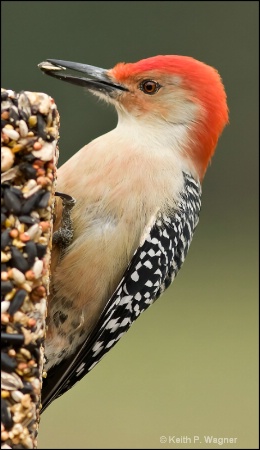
137	192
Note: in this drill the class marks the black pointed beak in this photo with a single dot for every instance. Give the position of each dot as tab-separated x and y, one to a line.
99	81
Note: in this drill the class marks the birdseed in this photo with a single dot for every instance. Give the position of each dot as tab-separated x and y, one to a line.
29	154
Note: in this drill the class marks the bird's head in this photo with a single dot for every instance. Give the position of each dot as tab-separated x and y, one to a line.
181	97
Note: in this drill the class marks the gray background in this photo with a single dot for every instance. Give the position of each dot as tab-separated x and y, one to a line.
189	364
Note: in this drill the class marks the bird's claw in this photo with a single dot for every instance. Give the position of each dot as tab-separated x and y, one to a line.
64	235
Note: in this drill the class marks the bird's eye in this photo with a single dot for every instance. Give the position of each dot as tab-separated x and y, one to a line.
149	87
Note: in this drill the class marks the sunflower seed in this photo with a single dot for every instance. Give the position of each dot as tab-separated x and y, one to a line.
24	106
18	260
41	126
12	339
11	201
32	252
6	286
41	250
8	364
5	238
28	220
17	301
9	174
27	170
6	415
17	396
29	203
44	200
10	381
33	231
23	128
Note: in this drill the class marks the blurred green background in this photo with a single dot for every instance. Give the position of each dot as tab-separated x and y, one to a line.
189	365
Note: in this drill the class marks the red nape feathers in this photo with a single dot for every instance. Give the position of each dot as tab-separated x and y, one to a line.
206	87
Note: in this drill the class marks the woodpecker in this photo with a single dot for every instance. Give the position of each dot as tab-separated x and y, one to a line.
137	192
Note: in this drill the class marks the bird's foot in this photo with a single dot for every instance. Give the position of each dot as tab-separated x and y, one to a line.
64	235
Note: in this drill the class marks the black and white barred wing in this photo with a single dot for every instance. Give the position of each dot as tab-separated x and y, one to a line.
152	269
